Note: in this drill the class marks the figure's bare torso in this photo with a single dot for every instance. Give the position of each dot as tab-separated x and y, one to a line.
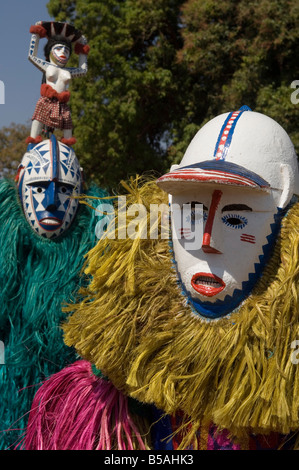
58	78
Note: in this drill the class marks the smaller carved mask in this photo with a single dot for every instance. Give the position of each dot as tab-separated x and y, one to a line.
48	179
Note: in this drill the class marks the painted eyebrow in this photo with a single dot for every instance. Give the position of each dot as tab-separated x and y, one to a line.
196	202
236	207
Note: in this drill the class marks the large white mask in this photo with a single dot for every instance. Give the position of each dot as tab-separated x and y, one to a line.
242	168
49	176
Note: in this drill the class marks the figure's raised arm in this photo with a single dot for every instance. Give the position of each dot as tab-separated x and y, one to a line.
82	49
37	31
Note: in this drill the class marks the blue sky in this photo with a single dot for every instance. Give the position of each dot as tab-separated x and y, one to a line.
21	79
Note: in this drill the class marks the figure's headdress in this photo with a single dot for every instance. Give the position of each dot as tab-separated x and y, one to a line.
57	28
58	32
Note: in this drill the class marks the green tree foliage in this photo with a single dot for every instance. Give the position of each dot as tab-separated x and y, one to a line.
158	70
126	107
242	52
12	148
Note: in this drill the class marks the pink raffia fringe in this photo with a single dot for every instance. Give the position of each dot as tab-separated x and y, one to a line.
75	410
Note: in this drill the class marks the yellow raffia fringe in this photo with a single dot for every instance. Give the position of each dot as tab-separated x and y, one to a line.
134	325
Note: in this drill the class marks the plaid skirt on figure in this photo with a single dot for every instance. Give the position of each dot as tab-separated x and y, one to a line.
53	113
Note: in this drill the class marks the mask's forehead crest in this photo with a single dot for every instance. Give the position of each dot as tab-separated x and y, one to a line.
52	161
40	163
226	133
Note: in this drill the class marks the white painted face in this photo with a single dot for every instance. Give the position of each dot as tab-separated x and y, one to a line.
242	166
60	54
239	227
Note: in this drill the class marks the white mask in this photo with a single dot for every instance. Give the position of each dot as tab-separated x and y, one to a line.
243	201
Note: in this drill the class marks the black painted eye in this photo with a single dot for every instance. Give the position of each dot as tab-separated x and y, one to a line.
235	221
39	190
63	189
196	205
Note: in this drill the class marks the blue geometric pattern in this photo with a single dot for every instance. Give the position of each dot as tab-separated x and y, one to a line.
51	176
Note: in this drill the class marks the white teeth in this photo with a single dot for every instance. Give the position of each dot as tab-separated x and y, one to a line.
207	281
50	222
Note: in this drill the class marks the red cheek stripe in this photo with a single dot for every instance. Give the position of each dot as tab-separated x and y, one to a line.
247	238
209	223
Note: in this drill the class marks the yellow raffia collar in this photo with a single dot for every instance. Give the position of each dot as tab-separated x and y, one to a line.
134	325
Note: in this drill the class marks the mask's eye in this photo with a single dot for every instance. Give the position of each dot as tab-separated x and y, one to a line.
65	189
235	221
195	212
38	189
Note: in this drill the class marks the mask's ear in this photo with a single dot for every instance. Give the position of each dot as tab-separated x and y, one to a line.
287	175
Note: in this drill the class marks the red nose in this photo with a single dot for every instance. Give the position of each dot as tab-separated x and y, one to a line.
206	241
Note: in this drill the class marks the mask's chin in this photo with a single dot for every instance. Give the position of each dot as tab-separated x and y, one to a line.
51	225
207	285
219	308
58	61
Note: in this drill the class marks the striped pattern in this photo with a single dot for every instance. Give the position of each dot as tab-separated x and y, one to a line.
218	169
54	155
216	176
226	135
247	238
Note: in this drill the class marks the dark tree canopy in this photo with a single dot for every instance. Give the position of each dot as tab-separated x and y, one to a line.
12	147
124	110
158	70
242	52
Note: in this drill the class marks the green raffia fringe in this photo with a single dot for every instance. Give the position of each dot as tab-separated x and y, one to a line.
36	277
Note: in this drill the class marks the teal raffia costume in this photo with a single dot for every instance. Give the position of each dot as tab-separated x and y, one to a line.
43	244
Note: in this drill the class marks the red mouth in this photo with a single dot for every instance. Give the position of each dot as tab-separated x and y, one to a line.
207	284
51	222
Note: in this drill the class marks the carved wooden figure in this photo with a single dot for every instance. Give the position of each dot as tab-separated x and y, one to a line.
52	109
